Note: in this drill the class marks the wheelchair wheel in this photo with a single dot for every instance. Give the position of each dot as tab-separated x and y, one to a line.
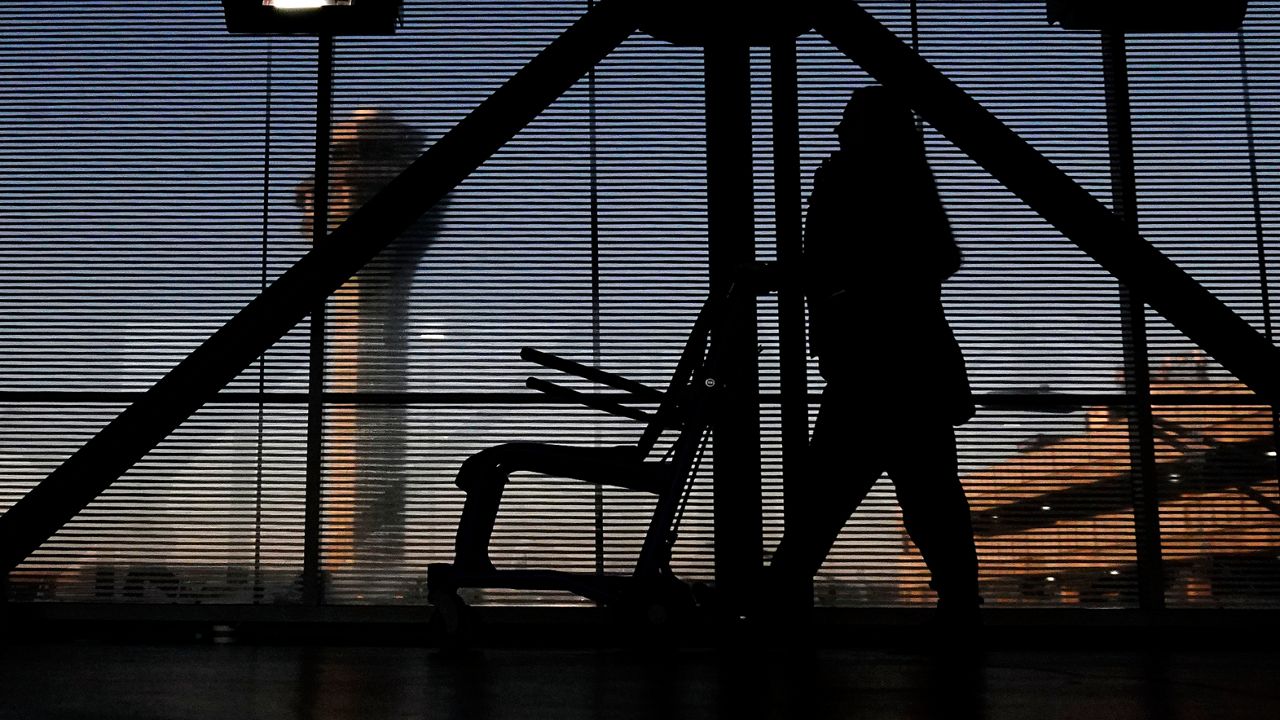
657	608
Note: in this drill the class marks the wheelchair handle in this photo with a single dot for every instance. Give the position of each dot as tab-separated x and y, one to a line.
641	391
594	402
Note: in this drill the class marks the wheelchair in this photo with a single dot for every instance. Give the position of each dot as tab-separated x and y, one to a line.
650	593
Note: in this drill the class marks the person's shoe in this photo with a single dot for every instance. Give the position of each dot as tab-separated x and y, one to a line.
958	614
782	611
955	630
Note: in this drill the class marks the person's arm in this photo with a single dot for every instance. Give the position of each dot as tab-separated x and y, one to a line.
948	252
936	228
819	284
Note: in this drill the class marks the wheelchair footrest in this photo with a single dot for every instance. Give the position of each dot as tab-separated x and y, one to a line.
445	578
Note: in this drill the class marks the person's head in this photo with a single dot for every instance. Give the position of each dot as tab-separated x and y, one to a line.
875	117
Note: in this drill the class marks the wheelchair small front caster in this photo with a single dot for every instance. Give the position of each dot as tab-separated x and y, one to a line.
450	619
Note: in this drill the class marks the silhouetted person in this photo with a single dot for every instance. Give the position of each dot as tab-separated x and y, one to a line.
877	249
369	340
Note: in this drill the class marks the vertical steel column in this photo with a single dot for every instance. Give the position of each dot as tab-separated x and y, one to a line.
792	340
1255	192
312	586
264	259
1137	373
594	182
731	240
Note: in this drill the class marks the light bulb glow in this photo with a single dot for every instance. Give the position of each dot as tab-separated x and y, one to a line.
302	4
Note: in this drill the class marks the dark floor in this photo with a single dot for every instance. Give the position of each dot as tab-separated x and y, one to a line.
190	680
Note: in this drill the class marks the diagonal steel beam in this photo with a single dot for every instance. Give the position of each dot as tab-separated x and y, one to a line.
195	380
1149	275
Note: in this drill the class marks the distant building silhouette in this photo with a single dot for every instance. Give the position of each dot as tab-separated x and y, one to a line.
1055	522
368	345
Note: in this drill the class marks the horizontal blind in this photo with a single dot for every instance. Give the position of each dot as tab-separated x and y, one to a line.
1033	314
584	236
147	172
1047	462
1051	491
1205	146
511	265
149	188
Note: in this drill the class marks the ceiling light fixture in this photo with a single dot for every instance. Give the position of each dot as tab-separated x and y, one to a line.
312	17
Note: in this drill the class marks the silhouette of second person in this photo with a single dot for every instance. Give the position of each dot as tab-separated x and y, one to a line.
877	249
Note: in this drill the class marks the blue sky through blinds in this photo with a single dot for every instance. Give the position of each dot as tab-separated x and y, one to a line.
149	163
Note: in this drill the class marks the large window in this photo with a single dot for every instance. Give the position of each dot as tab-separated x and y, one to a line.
155	176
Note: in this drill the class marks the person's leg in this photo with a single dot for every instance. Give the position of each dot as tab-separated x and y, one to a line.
934	509
840	469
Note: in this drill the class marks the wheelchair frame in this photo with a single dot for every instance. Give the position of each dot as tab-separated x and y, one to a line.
686	406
